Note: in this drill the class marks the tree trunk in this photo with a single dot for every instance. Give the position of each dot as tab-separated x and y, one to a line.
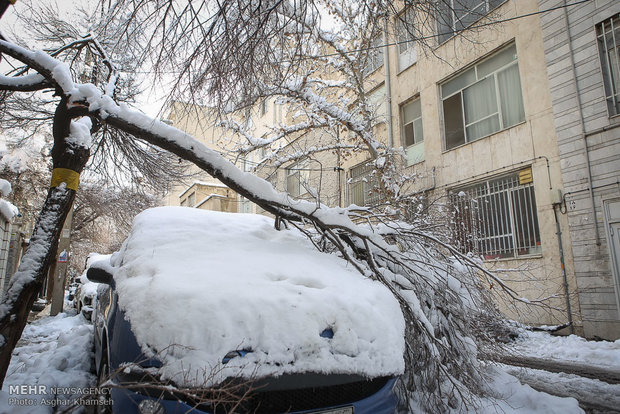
27	281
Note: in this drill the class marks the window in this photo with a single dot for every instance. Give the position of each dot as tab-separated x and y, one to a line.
457	15
608	35
191	200
363	186
263	107
273	179
483	99
377	101
297	178
412	134
407	51
497	218
374	59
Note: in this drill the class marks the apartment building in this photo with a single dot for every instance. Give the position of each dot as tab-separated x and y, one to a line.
475	114
582	54
485	118
200	190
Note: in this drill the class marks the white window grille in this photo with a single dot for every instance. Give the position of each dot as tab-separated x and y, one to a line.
412	131
608	35
483	99
497	218
457	15
363	186
374	59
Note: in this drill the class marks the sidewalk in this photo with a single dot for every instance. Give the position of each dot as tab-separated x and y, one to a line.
568	366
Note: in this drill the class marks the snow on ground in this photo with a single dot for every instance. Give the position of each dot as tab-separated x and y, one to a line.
510	396
56	352
572	348
52	352
591	391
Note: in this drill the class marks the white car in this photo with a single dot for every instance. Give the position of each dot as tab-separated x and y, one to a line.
196	298
85	294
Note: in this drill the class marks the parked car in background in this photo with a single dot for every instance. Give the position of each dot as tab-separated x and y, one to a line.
198	303
84	291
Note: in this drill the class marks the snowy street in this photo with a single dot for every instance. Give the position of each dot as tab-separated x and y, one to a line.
569	366
57	352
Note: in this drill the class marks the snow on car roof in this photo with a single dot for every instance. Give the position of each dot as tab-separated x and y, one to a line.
198	284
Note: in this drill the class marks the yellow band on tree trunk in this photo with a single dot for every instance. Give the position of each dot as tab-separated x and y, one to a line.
65	175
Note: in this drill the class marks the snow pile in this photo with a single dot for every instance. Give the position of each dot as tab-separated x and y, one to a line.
604	354
592	392
52	352
5	187
513	397
80	133
197	284
89	288
7	209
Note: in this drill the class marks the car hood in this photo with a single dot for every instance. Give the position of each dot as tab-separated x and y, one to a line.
197	284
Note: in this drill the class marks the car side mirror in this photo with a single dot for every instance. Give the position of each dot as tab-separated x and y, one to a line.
99	275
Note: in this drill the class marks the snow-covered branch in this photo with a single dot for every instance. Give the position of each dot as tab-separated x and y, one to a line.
25	83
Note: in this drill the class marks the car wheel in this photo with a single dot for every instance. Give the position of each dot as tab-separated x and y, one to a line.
104	405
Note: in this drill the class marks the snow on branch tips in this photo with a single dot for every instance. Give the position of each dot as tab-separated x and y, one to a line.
450	321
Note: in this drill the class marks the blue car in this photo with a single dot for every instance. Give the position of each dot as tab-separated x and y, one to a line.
160	316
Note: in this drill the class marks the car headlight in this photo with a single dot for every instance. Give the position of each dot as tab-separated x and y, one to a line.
150	407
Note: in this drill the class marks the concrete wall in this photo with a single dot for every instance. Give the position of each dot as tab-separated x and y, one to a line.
531	143
585	132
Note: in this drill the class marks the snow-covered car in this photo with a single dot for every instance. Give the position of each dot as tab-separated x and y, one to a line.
85	292
205	301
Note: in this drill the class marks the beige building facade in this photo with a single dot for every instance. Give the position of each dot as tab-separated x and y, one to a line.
477	123
475	120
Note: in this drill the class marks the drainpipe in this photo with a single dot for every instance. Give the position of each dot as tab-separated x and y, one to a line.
563	269
388	86
584	136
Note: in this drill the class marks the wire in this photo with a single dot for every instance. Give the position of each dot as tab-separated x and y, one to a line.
450	32
453	32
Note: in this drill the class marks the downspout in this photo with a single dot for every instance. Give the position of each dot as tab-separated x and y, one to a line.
584	136
563	269
388	86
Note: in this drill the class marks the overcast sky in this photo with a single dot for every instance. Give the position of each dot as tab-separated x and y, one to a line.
150	101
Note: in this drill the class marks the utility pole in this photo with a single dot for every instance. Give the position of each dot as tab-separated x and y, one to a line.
62	262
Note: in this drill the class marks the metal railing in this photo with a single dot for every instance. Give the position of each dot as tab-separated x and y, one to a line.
497	218
608	35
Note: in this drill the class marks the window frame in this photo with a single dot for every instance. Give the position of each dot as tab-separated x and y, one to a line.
374	58
609	72
302	172
480	222
262	107
191	199
477	80
407	47
454	20
363	174
418	143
